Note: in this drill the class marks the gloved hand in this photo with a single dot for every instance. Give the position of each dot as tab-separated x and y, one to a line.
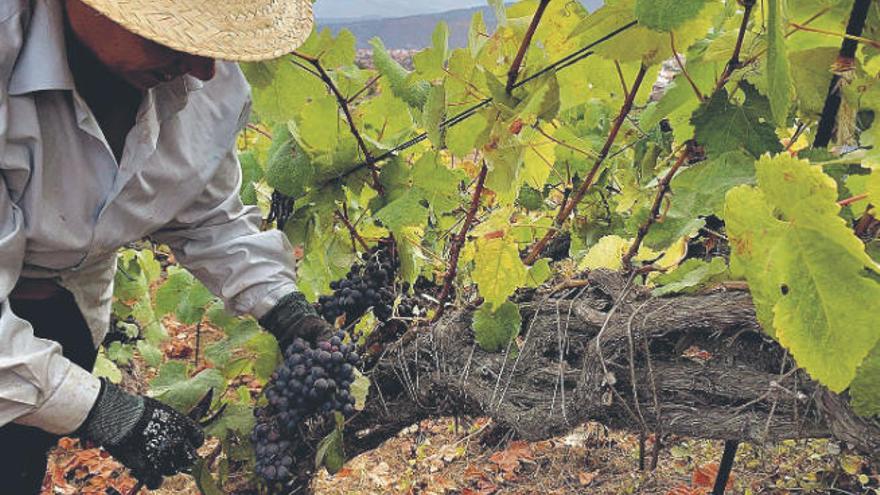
294	317
150	438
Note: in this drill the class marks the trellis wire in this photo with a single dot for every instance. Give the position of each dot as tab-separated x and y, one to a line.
560	64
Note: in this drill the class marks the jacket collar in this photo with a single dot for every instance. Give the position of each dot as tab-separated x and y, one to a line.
42	62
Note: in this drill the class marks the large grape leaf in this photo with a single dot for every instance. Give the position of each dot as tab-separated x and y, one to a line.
494	329
813	285
498	269
280	88
436	183
607	253
779	86
406	211
722	126
289	169
429	63
385	119
414	93
332	52
810	68
666	15
642	42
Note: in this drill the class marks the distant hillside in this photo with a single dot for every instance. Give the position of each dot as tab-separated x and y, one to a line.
414	32
359	10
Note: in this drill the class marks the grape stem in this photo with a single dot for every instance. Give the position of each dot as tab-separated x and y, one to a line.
513	73
684	70
567	207
458	242
343	104
654	216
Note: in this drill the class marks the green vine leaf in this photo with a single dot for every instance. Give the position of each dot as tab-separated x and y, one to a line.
721	126
865	390
174	387
666	15
498	269
691	275
698	191
783	235
331	450
779	84
414	93
289	169
494	329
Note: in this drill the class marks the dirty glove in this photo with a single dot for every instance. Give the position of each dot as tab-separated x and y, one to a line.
150	438
294	317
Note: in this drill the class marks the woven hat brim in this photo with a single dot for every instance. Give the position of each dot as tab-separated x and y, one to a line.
238	30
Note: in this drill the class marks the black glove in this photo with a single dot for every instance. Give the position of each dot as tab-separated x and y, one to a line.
294	317
150	438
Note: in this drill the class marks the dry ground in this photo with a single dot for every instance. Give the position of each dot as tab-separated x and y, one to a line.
434	458
469	457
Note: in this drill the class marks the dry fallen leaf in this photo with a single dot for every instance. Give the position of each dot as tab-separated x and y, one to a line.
704	476
585	478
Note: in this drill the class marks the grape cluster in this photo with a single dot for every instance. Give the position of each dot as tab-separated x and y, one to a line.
274	459
310	381
367	285
313	380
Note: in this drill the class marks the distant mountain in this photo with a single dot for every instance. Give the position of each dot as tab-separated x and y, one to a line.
413	32
358	10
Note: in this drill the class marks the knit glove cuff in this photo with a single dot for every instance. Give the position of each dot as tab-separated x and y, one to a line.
294	317
113	416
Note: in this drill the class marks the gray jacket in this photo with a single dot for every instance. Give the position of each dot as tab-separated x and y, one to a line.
66	205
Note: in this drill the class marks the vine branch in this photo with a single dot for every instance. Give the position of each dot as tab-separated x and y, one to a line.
513	73
343	104
568	206
734	62
459	240
662	190
352	230
854	27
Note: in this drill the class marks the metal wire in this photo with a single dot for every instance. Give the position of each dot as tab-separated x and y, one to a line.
560	64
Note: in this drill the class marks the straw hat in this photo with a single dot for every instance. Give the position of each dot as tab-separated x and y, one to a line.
242	30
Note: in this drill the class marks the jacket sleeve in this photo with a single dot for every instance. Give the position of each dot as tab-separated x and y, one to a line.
38	385
219	240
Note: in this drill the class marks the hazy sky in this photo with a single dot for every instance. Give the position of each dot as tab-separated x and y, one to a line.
387	8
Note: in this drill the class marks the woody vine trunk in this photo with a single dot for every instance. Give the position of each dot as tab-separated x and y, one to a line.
690	365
